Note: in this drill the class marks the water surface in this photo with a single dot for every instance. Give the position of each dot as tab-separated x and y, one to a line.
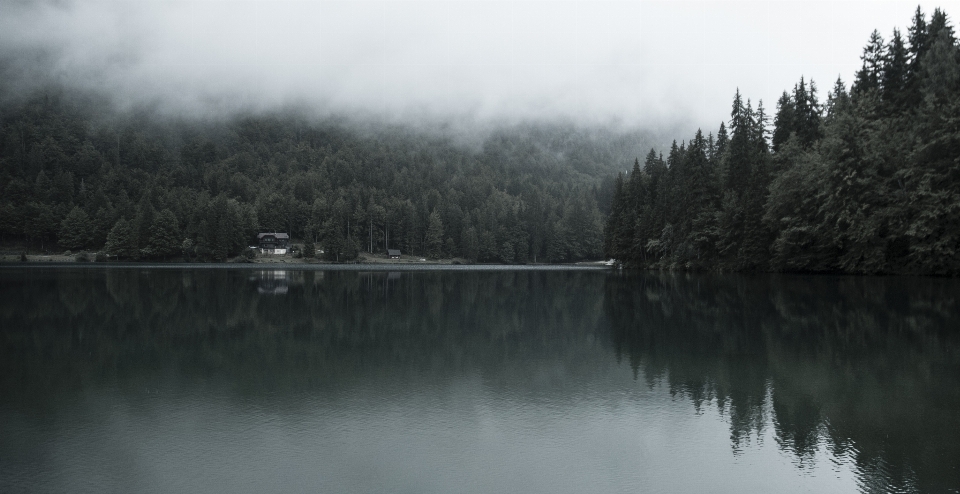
250	380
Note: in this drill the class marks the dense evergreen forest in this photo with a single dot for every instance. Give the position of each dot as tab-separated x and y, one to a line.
866	182
76	175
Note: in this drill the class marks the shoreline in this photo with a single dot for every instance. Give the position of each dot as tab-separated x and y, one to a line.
365	262
276	266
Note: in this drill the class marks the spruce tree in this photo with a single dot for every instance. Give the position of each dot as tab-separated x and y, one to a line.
895	73
143	221
838	99
917	38
722	141
309	246
918	45
121	241
616	243
76	230
806	121
699	222
739	154
870	74
699	181
783	122
434	238
753	250
165	239
934	229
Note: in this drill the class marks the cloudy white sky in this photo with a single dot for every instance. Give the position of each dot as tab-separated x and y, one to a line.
647	63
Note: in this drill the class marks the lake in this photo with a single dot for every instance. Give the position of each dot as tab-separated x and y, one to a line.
180	379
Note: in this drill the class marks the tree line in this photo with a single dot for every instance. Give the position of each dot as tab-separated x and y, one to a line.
76	175
748	346
866	182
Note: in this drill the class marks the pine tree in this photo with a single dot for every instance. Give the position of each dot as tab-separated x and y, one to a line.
76	230
934	229
870	74
722	141
895	72
738	168
753	251
614	243
940	66
806	122
939	23
700	217
165	239
838	100
918	40
700	181
739	150
121	241
469	243
433	242
650	222
42	223
309	246
783	122
143	221
917	37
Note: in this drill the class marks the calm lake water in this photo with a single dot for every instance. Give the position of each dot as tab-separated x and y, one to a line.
442	381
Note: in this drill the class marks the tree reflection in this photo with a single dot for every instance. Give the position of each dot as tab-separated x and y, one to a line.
866	367
276	330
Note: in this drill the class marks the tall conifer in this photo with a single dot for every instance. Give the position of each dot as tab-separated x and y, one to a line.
871	72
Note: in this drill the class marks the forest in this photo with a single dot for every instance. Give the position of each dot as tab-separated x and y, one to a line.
867	181
78	175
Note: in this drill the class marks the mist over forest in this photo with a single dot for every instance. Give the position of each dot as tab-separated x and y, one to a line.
866	181
859	178
79	175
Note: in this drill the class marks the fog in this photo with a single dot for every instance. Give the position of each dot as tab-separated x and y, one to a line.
643	64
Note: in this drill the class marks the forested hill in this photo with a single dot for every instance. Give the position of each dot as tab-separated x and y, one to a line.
76	176
867	181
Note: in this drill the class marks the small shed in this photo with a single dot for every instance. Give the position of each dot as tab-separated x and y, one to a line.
393	253
273	243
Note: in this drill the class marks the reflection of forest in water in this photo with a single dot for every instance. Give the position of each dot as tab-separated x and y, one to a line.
866	367
287	330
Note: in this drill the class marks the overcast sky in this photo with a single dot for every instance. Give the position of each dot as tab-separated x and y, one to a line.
646	63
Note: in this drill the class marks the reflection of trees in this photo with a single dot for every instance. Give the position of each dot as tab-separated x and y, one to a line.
867	367
77	326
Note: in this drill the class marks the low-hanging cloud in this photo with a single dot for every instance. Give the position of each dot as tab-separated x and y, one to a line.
630	62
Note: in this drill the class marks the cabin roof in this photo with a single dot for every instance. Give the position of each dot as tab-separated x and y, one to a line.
278	236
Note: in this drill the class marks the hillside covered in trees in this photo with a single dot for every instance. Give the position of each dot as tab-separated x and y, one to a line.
867	181
76	175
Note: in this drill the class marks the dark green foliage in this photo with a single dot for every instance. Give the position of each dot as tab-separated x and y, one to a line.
868	184
870	74
806	122
434	235
121	241
783	122
165	238
309	247
895	72
41	223
76	230
538	189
